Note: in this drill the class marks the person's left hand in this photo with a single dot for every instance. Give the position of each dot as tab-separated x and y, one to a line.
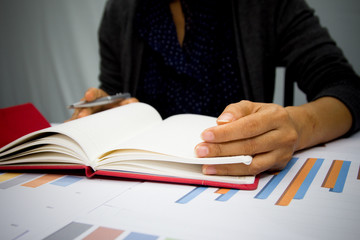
265	131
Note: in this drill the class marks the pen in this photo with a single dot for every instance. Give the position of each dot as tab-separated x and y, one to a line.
101	101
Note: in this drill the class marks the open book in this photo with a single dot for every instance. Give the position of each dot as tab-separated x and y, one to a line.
131	141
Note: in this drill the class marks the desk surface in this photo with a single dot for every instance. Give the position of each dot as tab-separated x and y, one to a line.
315	197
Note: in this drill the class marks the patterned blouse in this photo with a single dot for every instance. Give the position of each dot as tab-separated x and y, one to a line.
201	76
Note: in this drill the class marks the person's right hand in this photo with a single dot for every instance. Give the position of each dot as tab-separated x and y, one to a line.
92	94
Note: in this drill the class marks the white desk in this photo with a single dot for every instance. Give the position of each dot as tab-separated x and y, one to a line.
73	207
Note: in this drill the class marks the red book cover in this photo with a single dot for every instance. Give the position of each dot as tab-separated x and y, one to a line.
131	175
17	121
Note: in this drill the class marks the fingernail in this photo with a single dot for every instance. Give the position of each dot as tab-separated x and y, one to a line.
210	170
225	118
202	151
207	136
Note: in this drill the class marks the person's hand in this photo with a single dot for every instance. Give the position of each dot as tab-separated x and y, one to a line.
271	133
265	131
92	94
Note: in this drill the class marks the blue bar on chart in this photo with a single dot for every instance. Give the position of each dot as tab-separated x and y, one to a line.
274	181
42	180
226	196
191	195
340	182
140	236
66	181
297	183
300	194
336	176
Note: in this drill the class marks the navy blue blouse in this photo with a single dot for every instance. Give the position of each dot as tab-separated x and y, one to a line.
201	76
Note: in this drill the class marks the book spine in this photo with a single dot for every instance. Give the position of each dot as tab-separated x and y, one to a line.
89	172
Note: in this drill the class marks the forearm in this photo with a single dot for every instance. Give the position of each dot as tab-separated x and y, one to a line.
320	121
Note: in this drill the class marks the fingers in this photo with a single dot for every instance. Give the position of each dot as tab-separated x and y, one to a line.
80	113
264	131
90	95
83	112
251	120
249	146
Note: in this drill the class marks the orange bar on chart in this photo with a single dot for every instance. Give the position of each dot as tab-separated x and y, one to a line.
222	190
7	176
104	233
332	175
295	184
42	180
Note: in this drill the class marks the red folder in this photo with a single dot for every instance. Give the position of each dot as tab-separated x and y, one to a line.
18	121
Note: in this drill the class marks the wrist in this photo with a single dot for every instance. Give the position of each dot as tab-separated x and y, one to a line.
305	124
320	121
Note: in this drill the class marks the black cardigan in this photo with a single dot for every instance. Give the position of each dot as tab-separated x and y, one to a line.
269	33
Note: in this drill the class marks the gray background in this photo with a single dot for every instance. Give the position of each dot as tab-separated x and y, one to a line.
49	50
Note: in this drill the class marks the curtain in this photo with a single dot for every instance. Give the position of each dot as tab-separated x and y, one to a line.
48	53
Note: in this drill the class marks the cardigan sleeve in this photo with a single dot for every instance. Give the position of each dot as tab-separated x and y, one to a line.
108	34
121	48
313	59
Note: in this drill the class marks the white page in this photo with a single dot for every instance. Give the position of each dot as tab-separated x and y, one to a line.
57	143
174	169
177	136
100	132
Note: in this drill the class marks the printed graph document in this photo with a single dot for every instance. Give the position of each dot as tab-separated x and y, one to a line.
130	141
49	206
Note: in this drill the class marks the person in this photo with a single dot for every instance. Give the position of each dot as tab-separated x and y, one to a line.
218	58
